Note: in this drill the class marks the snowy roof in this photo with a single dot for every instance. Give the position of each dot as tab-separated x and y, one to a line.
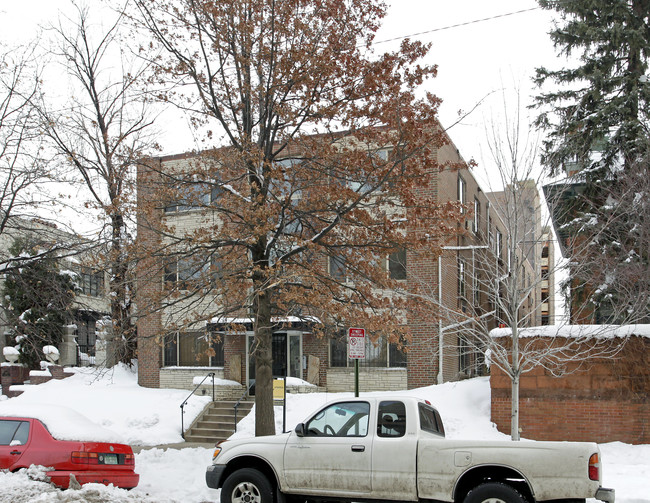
577	331
243	321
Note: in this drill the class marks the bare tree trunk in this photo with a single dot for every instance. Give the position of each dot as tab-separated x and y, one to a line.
514	409
516	373
120	302
264	413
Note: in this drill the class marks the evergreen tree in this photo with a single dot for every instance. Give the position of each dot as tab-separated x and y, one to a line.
603	102
597	117
37	298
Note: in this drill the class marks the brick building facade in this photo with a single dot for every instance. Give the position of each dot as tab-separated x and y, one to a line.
449	278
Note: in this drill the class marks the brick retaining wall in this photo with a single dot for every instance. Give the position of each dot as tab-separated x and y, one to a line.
607	402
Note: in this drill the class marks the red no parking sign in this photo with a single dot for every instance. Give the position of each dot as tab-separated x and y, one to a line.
356	343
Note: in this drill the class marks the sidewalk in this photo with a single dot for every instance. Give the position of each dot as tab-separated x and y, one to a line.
179	445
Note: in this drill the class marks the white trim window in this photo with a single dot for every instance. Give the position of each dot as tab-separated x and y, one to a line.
462	191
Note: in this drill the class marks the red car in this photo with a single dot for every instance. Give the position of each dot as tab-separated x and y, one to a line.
27	441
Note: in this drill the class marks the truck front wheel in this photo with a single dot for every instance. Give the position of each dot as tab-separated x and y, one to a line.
246	486
494	492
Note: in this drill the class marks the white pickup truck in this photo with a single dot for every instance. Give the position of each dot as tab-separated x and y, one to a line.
395	449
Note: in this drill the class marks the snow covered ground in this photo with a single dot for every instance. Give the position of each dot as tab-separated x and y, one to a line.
150	417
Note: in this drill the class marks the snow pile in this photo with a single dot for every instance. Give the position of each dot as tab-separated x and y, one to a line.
151	416
113	399
464	407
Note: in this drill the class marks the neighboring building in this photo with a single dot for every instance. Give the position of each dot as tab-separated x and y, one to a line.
91	303
547	264
536	244
456	279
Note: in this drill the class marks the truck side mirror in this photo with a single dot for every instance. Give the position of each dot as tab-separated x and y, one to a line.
300	429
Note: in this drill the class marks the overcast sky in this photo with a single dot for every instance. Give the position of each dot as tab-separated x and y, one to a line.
482	48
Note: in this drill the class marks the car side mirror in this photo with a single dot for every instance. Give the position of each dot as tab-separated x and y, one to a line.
300	429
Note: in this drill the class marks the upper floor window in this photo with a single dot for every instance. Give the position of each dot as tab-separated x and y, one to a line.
462	280
545	273
186	272
397	264
92	282
477	215
193	196
498	244
337	267
462	189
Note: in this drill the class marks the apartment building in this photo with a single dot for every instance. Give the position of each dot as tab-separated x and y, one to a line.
75	256
459	285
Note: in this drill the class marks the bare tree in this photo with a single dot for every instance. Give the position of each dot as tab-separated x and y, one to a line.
22	169
505	281
100	133
324	151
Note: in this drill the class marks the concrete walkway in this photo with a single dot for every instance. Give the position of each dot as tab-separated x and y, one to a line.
179	445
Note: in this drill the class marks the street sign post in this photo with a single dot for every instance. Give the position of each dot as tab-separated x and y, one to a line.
356	352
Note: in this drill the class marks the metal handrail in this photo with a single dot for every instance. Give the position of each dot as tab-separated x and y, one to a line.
236	406
211	374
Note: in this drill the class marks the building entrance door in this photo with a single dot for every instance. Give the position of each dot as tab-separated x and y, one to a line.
286	350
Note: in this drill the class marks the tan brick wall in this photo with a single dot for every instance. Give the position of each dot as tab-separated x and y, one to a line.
183	377
149	285
607	402
370	379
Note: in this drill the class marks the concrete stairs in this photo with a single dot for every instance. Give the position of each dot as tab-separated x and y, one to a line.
217	421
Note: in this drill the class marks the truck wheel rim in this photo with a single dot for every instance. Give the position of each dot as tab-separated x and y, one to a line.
493	500
245	492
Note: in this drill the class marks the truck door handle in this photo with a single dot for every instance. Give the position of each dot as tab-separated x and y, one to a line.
15	452
358	448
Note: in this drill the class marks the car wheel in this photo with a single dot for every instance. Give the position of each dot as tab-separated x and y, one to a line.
494	492
246	486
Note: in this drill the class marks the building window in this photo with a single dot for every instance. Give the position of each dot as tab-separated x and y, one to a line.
462	285
464	356
193	196
498	245
337	268
545	319
86	333
461	192
545	273
397	264
477	215
381	354
194	349
545	295
91	282
545	251
186	273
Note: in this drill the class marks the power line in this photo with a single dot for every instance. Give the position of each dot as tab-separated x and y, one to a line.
457	25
